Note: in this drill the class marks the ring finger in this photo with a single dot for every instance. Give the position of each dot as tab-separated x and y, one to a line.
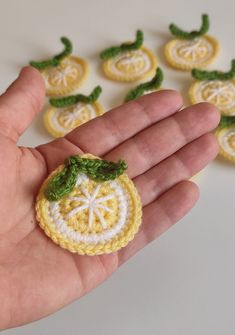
163	139
181	166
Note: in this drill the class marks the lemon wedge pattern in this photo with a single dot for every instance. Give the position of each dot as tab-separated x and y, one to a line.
63	73
94	217
129	61
192	49
215	87
69	112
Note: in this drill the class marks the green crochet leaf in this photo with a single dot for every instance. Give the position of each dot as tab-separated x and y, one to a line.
215	75
178	32
226	121
96	169
74	99
116	50
57	58
151	85
62	183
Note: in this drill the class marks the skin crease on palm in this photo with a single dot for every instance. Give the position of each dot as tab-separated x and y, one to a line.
163	147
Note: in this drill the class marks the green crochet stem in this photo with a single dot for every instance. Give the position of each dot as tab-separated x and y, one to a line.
74	99
176	31
96	169
215	75
57	58
151	85
226	121
116	50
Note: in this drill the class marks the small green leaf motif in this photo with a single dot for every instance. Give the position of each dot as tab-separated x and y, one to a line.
62	183
178	32
151	85
57	58
226	121
74	99
116	50
215	75
99	170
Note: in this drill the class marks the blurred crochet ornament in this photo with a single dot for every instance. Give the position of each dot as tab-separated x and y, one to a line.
191	49
69	112
215	87
149	86
89	206
62	73
225	134
129	61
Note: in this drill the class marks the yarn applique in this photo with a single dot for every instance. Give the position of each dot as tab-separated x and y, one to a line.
149	86
67	113
129	61
89	206
62	73
215	87
191	49
196	177
225	134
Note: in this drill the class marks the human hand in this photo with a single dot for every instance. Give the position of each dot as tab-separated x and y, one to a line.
162	146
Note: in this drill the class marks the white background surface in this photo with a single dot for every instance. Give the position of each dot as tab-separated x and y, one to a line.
183	283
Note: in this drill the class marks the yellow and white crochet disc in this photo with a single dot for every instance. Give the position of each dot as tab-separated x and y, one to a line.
131	65
188	54
218	92
95	218
196	177
226	139
60	121
66	77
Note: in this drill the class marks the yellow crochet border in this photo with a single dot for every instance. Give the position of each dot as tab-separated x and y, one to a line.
192	93
130	78
48	114
222	152
192	97
173	63
116	243
195	178
57	91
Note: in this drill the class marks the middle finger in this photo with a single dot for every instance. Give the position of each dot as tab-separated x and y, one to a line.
156	143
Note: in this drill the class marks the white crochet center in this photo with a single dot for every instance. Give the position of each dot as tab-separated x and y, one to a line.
183	49
221	93
93	204
224	141
59	75
127	58
71	116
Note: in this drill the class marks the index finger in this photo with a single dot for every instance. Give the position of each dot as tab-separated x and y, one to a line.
21	102
104	133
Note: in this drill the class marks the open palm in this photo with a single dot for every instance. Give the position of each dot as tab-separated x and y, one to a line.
163	148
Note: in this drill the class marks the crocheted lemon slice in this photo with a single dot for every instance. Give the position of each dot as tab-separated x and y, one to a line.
186	55
129	61
197	176
131	65
62	73
215	87
225	134
67	113
94	217
60	121
191	49
217	92
66	77
226	139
